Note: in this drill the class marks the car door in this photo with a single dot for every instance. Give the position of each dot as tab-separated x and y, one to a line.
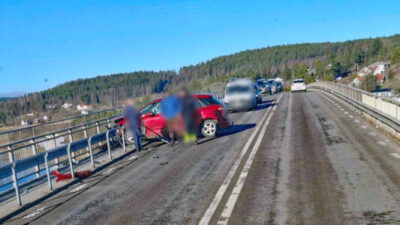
153	121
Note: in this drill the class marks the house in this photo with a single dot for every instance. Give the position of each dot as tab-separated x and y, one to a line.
66	105
81	107
84	112
364	71
386	92
357	81
51	106
26	122
380	78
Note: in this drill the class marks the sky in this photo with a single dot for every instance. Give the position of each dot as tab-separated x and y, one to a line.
46	43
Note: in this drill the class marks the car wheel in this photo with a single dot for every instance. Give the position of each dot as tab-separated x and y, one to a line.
209	128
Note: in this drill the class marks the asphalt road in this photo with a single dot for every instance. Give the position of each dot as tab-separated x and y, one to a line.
301	158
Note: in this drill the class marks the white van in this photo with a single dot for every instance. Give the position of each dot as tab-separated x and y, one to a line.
240	95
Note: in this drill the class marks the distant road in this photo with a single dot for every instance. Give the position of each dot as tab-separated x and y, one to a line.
301	158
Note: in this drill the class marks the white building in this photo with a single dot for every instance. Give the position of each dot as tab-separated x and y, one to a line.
84	107
387	93
66	105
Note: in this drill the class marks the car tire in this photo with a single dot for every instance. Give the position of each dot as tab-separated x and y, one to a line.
209	128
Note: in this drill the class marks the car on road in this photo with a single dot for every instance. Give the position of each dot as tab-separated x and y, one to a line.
257	92
298	85
240	95
265	87
211	116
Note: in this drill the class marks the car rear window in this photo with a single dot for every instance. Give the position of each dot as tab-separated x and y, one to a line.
298	81
237	89
209	101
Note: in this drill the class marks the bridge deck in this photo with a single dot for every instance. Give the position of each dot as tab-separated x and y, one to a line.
317	162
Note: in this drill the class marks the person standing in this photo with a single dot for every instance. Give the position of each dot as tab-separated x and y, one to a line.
188	116
170	110
132	115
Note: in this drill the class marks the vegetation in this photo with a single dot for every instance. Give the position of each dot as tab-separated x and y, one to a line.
369	83
324	61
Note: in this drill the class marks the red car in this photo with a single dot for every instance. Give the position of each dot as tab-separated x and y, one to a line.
212	115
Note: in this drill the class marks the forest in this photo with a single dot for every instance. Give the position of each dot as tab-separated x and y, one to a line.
324	61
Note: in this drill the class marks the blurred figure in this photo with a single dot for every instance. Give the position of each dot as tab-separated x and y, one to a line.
188	116
132	115
170	110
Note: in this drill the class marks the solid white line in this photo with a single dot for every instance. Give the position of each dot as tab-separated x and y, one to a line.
230	204
395	155
228	179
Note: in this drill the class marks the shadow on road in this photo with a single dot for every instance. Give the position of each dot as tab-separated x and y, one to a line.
236	128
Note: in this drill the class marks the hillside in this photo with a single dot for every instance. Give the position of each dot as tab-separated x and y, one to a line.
310	60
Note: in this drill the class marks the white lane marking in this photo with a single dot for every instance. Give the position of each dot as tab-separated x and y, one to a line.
109	170
357	121
80	187
345	112
364	127
341	109
132	157
34	213
395	155
382	143
351	116
230	204
372	134
228	179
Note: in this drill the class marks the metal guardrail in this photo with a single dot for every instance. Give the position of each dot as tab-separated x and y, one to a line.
42	163
27	147
11	136
383	109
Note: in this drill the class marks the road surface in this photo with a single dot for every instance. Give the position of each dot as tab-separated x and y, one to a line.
300	158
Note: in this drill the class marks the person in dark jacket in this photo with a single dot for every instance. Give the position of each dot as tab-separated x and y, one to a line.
188	116
132	115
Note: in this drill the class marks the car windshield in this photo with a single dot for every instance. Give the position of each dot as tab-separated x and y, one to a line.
153	107
237	89
261	83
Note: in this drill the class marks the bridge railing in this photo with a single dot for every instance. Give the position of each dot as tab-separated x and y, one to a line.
19	172
28	132
386	107
53	138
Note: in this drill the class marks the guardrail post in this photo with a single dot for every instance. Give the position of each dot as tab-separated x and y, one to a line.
10	154
123	138
15	182
48	171
91	151
55	146
108	122
85	134
71	166
71	139
34	152
108	144
98	127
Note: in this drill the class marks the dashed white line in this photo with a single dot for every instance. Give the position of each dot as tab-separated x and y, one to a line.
382	143
395	155
80	187
132	157
34	213
357	121
351	116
